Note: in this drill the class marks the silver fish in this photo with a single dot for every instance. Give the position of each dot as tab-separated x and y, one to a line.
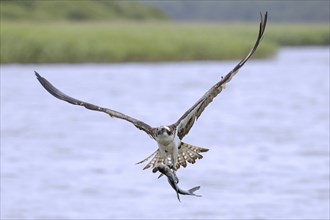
173	181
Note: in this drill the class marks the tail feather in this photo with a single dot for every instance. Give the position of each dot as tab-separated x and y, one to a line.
182	160
187	153
142	161
156	159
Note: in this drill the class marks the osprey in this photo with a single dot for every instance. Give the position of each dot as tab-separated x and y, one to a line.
172	151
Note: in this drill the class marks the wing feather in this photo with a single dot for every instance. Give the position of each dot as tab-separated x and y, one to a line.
187	120
60	95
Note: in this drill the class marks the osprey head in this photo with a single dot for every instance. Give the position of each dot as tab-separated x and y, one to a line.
164	131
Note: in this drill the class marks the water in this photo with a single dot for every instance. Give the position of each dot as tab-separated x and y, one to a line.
268	135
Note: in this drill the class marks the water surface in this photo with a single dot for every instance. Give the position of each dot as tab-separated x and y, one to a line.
268	135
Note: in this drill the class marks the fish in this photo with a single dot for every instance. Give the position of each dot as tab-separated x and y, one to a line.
173	180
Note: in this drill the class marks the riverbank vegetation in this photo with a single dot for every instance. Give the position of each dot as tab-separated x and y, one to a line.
86	10
131	31
103	42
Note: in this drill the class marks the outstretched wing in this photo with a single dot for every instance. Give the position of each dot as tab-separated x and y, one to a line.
60	95
184	124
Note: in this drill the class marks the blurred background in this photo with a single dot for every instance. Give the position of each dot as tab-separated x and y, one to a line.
268	131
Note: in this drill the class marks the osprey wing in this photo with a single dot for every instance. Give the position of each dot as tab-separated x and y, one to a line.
187	120
60	95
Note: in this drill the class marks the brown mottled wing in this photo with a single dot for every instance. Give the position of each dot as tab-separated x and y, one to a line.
184	124
60	95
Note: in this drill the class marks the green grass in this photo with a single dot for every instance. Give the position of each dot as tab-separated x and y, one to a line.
46	10
159	41
300	35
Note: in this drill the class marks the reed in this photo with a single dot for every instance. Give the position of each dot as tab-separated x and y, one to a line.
300	35
106	42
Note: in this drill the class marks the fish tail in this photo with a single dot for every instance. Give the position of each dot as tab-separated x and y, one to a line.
192	190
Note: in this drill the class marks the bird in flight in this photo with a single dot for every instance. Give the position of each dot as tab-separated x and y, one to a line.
172	151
